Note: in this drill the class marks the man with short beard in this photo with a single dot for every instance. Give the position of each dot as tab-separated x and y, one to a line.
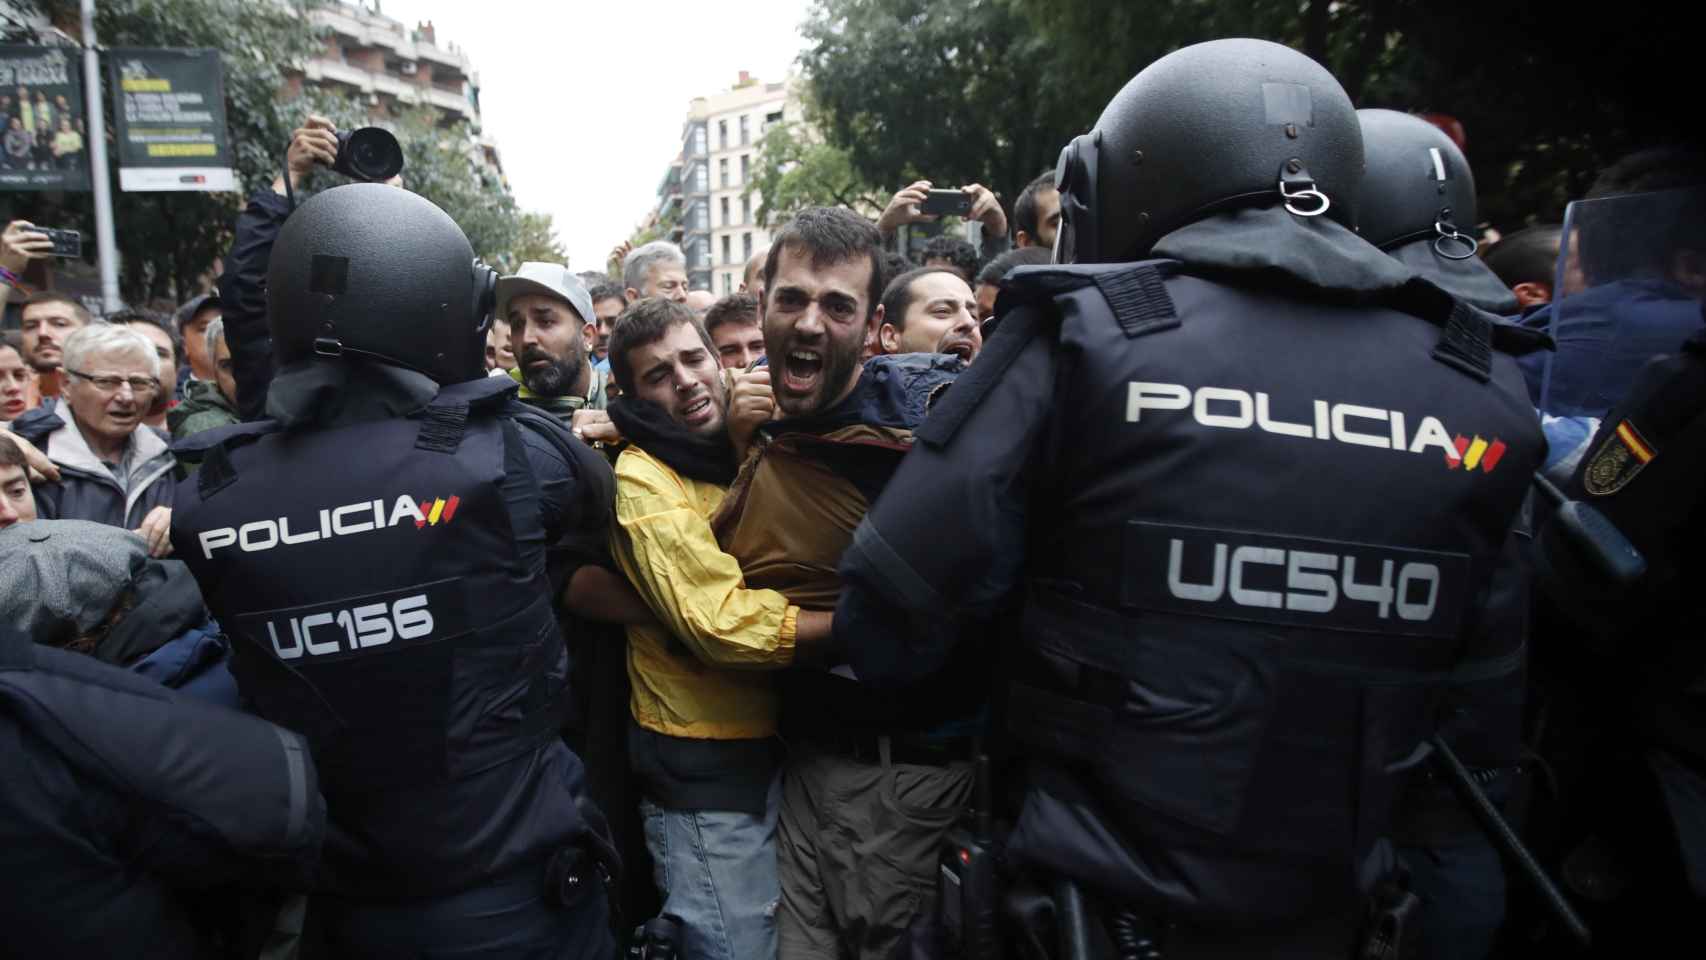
551	328
929	310
702	736
854	868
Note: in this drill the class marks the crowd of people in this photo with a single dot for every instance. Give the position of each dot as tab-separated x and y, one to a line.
721	610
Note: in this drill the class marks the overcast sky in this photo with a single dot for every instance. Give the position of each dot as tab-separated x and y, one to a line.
586	99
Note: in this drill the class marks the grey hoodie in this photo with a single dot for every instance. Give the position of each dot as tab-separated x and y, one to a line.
86	489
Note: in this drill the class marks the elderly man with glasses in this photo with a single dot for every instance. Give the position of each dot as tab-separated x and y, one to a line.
109	470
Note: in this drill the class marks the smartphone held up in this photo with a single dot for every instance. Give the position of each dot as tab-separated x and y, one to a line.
946	202
67	244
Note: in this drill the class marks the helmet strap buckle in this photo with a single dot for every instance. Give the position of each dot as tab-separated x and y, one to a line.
1297	191
1448	236
329	347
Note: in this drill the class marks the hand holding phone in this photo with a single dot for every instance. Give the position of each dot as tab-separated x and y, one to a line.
67	244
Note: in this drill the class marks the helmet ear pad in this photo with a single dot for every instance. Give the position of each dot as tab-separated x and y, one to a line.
1078	239
485	297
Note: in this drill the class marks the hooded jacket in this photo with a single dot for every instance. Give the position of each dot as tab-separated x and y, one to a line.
86	489
204	407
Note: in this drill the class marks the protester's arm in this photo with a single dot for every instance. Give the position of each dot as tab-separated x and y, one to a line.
670	554
242	288
604	595
19	244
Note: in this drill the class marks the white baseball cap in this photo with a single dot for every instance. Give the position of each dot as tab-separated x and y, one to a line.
551	279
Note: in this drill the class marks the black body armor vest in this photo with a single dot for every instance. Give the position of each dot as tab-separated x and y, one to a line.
1264	532
373	580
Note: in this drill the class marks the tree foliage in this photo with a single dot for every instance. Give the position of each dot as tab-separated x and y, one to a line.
167	240
990	90
440	162
796	168
535	239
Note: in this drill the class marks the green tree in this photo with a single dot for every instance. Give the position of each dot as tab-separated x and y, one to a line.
535	239
167	241
990	90
796	169
954	91
441	162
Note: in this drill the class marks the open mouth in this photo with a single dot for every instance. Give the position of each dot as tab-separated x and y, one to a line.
698	412
801	371
958	347
13	407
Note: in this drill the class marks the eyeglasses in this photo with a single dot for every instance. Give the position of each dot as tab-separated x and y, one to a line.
141	386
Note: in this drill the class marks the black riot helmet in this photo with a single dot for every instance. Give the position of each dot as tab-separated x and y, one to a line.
1212	127
1417	185
1416	193
378	273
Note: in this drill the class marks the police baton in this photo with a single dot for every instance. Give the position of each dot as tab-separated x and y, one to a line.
1595	536
1506	839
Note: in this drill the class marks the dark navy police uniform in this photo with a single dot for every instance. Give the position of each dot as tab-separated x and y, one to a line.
380	563
1254	494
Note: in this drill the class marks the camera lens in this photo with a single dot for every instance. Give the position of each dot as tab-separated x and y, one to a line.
374	154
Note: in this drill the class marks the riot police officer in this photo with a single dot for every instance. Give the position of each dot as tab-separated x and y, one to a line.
377	552
1252	477
1417	199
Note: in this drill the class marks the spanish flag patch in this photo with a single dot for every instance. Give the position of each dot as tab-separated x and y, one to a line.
1617	460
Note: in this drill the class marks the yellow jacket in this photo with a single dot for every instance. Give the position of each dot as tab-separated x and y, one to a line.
715	683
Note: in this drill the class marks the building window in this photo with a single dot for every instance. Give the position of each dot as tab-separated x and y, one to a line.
723	169
727	256
745	167
745	247
728	284
701	180
745	209
698	149
770	118
725	203
722	134
745	130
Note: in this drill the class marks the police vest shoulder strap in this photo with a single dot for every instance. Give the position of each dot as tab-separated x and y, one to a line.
214	447
1466	341
1139	300
445	418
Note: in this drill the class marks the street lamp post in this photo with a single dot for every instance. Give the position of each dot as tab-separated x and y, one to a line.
106	245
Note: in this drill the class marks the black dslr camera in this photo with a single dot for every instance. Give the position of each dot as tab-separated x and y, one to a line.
370	153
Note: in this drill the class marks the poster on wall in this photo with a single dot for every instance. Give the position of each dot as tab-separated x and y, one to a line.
169	119
45	144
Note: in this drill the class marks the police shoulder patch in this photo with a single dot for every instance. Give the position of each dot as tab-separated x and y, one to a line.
1622	455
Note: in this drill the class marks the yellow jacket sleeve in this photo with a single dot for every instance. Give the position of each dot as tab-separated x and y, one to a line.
664	544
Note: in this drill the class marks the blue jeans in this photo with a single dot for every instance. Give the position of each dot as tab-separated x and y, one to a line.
717	872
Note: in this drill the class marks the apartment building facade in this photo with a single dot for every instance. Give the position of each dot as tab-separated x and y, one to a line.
708	185
381	62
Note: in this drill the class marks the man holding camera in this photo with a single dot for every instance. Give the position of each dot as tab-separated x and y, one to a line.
242	289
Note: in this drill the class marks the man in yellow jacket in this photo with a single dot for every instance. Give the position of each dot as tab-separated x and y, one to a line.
703	741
